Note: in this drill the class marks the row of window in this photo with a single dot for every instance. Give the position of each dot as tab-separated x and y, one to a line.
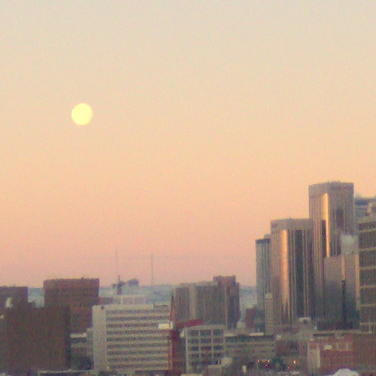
367	240
129	339
133	325
367	226
368	277
137	331
135	311
206	332
368	295
134	345
135	359
204	348
195	341
152	366
138	318
126	353
368	314
205	356
367	258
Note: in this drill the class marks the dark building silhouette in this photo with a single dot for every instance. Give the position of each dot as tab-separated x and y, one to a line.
33	339
79	295
12	296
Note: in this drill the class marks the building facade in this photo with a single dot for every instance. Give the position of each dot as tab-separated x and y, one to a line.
249	347
130	339
33	339
203	345
291	271
367	266
262	270
354	351
79	295
214	302
331	208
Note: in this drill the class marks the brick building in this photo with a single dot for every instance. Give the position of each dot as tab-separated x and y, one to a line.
33	339
354	351
79	295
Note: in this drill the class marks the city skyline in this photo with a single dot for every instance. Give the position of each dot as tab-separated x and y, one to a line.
210	120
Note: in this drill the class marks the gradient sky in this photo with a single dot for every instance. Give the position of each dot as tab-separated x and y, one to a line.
210	119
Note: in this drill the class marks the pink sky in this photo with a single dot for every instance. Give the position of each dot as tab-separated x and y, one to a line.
210	119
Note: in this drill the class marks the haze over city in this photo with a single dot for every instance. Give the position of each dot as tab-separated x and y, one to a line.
210	119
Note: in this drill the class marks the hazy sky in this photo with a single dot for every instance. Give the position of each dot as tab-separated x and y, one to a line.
210	119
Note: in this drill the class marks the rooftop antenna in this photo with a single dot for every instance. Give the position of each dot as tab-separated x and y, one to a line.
119	283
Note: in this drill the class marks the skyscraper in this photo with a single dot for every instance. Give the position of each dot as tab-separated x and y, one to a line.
331	208
262	270
291	270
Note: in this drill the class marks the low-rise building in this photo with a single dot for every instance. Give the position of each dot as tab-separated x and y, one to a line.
204	345
325	355
249	347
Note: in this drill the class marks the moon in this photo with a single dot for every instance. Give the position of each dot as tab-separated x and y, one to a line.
82	114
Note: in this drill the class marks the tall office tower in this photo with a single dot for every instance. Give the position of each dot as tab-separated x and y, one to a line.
131	338
215	302
231	292
291	271
262	270
331	208
80	295
367	266
12	296
33	339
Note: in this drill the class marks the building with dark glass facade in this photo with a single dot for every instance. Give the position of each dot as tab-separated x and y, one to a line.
291	271
262	270
331	208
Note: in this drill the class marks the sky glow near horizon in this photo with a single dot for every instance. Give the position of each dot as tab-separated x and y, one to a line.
211	119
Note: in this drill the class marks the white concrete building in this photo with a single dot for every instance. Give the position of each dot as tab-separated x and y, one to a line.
127	338
204	345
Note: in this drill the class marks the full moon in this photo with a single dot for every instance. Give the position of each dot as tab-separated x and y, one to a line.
82	114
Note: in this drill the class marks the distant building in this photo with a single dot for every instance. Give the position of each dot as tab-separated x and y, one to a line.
291	271
331	208
262	270
33	339
80	295
367	266
12	296
215	302
131	339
